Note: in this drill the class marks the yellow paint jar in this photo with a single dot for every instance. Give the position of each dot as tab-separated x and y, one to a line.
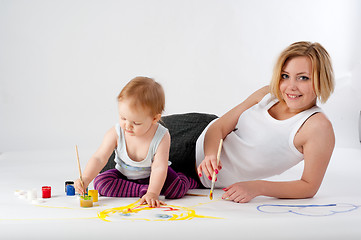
94	194
86	201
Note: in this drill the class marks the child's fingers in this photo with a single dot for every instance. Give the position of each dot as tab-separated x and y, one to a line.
78	187
142	201
155	203
159	203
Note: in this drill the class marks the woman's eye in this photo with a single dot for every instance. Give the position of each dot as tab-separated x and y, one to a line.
284	76
304	78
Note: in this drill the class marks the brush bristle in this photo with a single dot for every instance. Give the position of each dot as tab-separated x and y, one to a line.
211	195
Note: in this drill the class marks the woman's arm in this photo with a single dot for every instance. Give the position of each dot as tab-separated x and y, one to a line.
98	160
221	128
158	173
316	139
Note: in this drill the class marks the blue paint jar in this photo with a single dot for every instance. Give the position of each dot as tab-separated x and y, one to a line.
68	183
70	190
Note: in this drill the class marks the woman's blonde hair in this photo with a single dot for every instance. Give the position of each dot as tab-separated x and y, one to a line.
322	72
144	92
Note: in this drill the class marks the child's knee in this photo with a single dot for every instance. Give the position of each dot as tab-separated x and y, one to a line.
177	190
103	180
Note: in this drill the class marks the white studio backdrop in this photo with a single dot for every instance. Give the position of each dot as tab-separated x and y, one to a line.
62	63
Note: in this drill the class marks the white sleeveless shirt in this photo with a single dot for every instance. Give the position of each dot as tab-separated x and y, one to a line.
260	146
132	169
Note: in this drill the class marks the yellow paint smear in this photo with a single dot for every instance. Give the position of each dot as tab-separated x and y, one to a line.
177	213
171	213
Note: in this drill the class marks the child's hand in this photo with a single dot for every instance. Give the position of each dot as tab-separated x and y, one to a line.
78	187
151	199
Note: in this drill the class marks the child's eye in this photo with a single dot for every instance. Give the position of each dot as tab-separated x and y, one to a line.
122	118
137	124
284	76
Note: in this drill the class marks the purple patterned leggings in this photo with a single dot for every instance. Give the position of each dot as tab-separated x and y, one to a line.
112	183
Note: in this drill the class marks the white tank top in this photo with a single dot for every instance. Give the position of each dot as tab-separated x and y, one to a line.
260	146
132	169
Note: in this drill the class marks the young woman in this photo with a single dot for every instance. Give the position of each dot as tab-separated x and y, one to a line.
272	130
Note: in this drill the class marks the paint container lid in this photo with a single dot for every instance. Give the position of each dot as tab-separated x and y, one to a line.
32	194
19	193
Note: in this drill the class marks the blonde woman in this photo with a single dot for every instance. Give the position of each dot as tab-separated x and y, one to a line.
271	131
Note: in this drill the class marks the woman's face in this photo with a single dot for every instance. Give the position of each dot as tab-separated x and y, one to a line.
296	85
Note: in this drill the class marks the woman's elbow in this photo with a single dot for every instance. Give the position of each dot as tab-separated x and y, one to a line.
311	191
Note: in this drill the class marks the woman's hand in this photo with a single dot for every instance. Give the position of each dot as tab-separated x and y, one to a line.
151	199
208	166
242	192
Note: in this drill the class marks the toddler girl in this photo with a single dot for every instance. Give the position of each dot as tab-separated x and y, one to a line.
141	150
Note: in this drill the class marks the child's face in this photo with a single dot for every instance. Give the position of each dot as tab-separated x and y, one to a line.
296	84
135	121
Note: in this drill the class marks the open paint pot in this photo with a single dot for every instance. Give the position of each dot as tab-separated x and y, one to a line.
86	201
93	194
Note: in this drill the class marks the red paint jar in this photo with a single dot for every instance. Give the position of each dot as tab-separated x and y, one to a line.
46	191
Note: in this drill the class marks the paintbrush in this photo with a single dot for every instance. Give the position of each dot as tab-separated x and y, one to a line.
214	173
80	176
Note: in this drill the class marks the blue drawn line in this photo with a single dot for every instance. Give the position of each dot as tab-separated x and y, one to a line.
297	209
298	206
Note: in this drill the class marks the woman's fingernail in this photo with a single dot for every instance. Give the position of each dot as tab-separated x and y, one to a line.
216	171
224	189
200	174
209	178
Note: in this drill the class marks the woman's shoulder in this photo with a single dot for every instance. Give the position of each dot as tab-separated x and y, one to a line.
257	96
319	122
261	93
316	131
318	126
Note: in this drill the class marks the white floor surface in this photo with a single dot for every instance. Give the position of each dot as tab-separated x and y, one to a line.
334	213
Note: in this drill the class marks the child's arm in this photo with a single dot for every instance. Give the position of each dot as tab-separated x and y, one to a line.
98	160
158	173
